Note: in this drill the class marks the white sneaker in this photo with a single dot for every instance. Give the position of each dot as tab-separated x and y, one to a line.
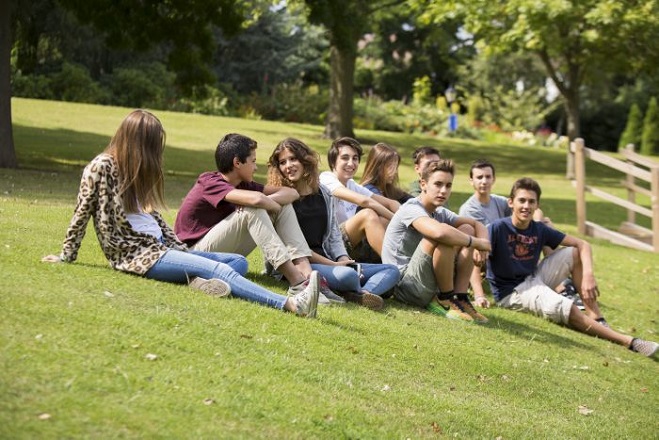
324	298
212	287
306	302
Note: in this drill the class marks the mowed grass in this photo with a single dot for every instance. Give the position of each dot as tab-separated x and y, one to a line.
88	352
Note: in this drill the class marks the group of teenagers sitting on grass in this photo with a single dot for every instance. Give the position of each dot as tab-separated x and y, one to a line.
332	239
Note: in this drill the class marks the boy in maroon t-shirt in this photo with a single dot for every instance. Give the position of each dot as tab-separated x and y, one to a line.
226	211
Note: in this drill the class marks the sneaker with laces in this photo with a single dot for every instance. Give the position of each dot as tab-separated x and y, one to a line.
468	307
602	321
646	348
306	301
212	287
452	308
328	293
299	287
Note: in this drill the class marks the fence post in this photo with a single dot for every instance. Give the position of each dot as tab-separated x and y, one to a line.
580	173
654	200
569	163
631	181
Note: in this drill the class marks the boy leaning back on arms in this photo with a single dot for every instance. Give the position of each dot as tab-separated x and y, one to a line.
435	249
518	282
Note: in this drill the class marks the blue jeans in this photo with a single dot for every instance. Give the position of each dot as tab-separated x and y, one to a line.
179	267
376	278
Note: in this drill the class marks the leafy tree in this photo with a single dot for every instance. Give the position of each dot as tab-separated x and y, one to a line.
346	22
633	129
507	90
575	41
403	49
279	47
186	27
650	138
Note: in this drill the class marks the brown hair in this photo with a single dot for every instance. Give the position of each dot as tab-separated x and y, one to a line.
528	184
445	165
307	157
333	152
137	148
480	164
375	171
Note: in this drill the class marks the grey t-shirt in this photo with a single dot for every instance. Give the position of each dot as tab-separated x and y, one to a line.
401	239
485	213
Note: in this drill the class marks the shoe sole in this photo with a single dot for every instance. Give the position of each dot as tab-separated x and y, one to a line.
213	287
314	283
372	301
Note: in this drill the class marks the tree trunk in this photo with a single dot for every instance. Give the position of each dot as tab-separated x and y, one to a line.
7	152
571	104
342	76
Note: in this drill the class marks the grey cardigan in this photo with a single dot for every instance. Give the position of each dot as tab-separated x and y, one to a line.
332	239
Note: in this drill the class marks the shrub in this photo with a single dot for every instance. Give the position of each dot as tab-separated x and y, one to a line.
149	85
633	129
31	86
290	102
650	138
206	100
74	83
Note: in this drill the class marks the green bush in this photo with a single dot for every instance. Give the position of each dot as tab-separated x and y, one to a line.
373	113
31	86
206	100
633	129
74	83
290	102
149	85
650	138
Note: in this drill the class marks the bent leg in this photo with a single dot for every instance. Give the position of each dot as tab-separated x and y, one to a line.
230	235
339	278
180	267
366	223
379	278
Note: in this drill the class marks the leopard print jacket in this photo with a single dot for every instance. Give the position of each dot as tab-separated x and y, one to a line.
126	249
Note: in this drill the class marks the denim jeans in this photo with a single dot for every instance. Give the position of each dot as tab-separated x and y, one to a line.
376	278
179	267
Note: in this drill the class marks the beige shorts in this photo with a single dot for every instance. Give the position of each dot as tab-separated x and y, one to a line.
536	293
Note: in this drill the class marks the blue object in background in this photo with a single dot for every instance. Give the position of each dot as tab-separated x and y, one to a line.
452	122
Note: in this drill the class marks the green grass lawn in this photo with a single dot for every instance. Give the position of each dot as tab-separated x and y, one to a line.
88	352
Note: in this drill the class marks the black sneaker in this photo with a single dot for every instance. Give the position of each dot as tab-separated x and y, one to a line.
570	292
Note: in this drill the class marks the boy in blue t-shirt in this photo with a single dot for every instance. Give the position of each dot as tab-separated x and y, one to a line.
518	282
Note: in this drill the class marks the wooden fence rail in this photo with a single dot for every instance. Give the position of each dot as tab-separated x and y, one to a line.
634	167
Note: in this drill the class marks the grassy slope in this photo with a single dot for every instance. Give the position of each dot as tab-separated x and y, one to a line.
74	338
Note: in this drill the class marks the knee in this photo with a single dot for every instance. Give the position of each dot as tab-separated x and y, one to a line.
467	229
240	265
368	215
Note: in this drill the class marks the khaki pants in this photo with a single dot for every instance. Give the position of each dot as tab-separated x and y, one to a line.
536	293
278	235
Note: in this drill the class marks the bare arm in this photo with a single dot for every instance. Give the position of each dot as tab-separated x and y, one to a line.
481	256
281	194
589	288
348	195
316	258
447	234
253	199
391	205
